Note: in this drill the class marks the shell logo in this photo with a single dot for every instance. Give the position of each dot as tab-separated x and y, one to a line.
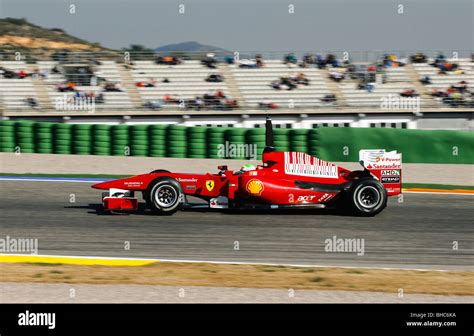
255	187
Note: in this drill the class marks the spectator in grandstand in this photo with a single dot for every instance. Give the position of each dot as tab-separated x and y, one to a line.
229	59
320	61
66	87
215	78
336	76
154	104
158	59
55	70
331	60
393	61
409	93
36	74
112	87
22	74
220	94
31	102
248	63
259	61
231	104
308	59
301	79
454	99
418	58
267	104
329	98
166	80
7	73
199	102
425	80
210	61
99	99
172	99
284	83
151	83
370	87
462	86
168	60
438	93
290	59
439	59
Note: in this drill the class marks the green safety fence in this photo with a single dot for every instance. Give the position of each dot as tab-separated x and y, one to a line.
330	143
416	146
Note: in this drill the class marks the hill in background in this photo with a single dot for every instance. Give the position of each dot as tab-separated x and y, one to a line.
21	35
190	46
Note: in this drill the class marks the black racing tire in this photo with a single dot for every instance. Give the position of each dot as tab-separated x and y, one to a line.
164	196
160	171
367	197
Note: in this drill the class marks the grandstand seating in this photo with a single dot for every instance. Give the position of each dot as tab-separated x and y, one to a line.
186	80
397	81
15	91
107	69
249	86
443	82
255	85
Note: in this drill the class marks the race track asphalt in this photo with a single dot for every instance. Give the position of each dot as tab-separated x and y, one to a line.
416	233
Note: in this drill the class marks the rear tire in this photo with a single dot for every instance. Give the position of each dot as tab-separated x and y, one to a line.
165	196
367	198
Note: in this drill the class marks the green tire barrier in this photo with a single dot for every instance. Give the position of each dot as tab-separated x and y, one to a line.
101	140
298	139
24	137
120	140
215	142
43	133
139	140
157	140
176	141
331	144
62	138
235	138
197	142
7	136
84	145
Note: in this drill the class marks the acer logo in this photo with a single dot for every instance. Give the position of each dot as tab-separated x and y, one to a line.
306	198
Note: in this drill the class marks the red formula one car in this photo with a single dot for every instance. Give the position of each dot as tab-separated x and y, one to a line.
285	179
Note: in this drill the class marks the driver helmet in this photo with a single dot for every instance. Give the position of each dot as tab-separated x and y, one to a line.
247	167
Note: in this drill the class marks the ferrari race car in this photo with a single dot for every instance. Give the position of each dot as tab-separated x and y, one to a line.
283	180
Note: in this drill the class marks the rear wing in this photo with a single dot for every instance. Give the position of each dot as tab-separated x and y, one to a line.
385	166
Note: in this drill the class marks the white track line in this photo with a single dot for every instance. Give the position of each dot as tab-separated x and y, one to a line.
435	193
240	263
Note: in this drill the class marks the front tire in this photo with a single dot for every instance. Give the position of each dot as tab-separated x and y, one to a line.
367	197
165	196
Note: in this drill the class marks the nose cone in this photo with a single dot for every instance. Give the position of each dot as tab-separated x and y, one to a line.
102	185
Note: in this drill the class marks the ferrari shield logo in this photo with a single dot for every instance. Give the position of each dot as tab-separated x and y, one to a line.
210	185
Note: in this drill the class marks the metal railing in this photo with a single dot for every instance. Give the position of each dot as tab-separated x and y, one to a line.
127	56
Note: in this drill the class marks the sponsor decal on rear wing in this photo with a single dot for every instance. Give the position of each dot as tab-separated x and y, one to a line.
380	159
385	166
